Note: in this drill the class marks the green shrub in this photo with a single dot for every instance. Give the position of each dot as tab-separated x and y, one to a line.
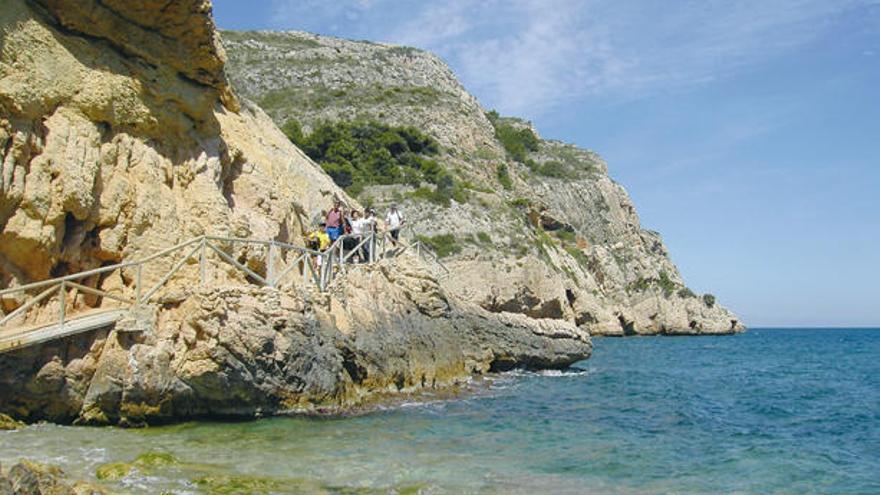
484	238
709	300
520	203
666	284
517	142
361	153
686	293
444	244
504	176
293	130
663	282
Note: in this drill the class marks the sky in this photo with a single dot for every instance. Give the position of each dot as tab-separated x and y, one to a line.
747	132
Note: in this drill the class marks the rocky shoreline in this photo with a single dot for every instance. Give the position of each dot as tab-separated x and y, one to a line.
250	352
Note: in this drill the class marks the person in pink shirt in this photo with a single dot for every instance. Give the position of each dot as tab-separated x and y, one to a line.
333	222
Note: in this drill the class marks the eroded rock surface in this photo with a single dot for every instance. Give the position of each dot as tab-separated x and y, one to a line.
249	351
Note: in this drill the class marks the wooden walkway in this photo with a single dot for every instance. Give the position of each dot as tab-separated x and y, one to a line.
20	337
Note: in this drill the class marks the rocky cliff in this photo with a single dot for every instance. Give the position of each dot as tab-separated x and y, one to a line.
546	234
120	135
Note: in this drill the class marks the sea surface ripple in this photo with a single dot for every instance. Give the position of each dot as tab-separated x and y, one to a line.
768	411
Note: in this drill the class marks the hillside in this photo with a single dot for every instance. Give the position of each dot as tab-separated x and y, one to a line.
531	225
120	136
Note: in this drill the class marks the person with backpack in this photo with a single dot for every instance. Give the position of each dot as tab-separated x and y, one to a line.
318	240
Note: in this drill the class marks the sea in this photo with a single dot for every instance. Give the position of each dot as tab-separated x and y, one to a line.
769	411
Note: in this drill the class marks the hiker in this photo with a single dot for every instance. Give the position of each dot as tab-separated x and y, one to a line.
362	228
394	220
318	240
346	220
352	235
334	221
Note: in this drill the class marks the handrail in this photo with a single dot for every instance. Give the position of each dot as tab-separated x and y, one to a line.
333	262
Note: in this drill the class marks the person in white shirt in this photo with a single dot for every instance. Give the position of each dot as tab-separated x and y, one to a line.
394	219
361	228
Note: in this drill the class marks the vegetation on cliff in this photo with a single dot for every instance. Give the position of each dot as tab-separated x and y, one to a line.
365	153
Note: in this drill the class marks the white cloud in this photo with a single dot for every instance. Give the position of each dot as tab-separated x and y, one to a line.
529	56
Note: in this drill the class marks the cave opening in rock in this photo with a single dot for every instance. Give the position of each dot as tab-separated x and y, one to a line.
628	327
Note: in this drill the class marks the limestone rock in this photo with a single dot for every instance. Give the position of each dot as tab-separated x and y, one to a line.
565	244
7	423
120	137
32	478
247	351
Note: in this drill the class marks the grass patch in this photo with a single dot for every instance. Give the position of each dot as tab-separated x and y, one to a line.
566	236
443	245
578	255
473	187
441	196
555	170
316	97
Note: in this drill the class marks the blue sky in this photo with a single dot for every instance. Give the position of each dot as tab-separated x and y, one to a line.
747	133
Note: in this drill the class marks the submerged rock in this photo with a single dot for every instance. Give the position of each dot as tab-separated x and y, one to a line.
32	478
145	463
7	423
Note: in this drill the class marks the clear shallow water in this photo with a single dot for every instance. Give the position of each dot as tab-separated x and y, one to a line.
769	411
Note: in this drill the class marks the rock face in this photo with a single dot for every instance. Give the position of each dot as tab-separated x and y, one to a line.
561	240
120	136
247	351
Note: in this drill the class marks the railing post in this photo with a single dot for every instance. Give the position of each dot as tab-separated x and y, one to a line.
62	297
203	262
327	271
138	284
323	269
307	260
341	257
270	265
372	245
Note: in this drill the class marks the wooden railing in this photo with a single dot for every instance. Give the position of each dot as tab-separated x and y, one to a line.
281	260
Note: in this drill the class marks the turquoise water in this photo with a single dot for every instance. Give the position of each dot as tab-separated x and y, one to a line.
768	411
